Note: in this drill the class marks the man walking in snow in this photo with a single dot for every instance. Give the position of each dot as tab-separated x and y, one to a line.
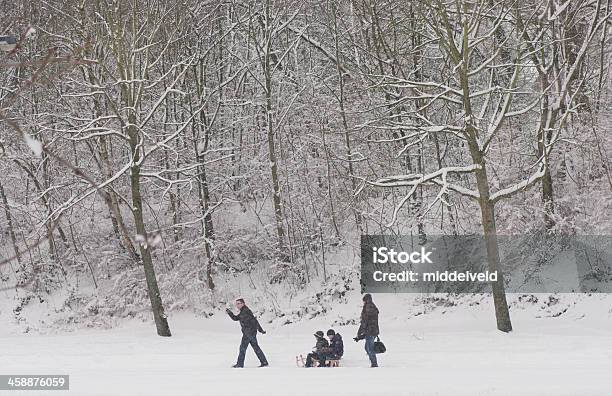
250	326
369	327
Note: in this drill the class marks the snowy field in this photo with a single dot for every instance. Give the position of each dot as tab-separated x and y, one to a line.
453	351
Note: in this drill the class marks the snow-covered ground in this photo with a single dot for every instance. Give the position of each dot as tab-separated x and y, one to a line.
449	351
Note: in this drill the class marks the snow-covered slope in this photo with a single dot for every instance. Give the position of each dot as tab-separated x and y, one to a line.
448	350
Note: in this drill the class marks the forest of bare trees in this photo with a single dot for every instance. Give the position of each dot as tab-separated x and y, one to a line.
153	147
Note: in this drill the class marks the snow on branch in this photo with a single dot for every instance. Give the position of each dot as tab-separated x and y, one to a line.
438	178
35	145
419	178
319	46
506	192
406	83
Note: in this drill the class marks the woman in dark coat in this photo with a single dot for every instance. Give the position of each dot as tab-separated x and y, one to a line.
368	329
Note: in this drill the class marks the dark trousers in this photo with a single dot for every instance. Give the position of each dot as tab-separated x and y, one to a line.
318	356
244	344
369	347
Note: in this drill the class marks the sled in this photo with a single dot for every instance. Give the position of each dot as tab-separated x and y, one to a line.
327	363
332	363
301	362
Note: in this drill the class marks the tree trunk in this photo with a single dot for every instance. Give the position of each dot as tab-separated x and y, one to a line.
209	231
203	189
345	126
276	198
159	315
113	204
47	203
544	135
487	210
9	223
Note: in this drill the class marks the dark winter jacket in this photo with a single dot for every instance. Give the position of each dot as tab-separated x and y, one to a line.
369	319
336	347
321	345
249	324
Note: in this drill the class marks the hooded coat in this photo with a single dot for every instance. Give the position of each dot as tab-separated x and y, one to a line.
336	346
369	319
321	345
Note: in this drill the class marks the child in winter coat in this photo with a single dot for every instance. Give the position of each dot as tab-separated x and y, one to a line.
318	351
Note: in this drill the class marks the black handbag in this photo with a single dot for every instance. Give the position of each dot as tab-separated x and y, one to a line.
379	347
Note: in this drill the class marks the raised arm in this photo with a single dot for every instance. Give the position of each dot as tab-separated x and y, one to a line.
231	315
